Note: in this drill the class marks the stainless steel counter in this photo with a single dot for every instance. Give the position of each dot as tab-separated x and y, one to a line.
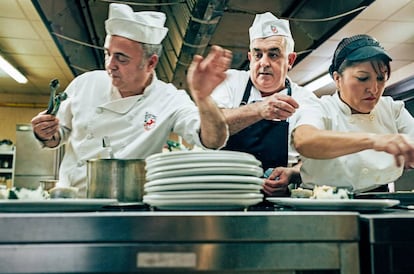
387	242
181	242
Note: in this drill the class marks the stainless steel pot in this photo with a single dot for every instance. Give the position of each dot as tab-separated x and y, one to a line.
121	179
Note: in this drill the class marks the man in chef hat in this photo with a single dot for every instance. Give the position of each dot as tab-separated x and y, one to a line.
260	104
129	105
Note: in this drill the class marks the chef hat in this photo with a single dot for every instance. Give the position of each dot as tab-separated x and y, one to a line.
266	24
145	26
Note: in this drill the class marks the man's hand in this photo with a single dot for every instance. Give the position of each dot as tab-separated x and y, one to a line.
205	74
276	184
277	106
45	126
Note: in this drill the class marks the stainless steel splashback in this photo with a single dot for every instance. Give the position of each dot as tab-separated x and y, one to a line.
33	163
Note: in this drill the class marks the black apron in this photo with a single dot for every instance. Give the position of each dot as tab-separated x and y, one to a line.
267	140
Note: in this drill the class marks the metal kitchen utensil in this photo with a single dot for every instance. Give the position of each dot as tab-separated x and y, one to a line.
48	184
58	99
107	145
54	85
121	179
55	100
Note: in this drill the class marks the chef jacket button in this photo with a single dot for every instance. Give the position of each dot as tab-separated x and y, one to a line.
89	136
99	110
351	120
80	163
371	117
364	170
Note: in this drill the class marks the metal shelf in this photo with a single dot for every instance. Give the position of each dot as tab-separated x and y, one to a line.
7	170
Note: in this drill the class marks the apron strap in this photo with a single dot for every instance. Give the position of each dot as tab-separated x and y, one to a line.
289	89
246	93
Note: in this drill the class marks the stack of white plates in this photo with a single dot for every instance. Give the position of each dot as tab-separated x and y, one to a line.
191	180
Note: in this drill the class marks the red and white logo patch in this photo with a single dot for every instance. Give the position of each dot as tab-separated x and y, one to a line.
273	29
149	121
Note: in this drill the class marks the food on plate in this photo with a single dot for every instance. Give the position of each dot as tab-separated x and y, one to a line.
4	193
329	192
63	192
24	194
301	193
38	194
320	192
29	194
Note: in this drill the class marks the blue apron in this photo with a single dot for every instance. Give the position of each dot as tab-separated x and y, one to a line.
267	140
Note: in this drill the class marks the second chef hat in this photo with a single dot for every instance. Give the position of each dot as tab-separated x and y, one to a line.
145	26
266	25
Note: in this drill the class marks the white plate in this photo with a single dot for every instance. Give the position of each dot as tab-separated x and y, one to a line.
55	205
335	204
201	204
198	195
204	192
208	179
201	187
196	165
206	153
197	159
195	169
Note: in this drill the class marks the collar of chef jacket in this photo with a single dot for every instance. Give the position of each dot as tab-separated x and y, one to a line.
348	112
124	105
342	106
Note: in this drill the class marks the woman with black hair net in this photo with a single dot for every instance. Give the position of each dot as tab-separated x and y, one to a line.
356	138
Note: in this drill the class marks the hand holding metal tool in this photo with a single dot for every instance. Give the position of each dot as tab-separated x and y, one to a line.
55	100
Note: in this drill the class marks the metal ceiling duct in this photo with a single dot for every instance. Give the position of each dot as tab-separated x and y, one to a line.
200	19
75	31
194	25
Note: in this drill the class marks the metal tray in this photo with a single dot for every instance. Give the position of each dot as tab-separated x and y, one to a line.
405	197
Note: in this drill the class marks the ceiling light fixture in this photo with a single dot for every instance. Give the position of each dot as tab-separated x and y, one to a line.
10	70
319	82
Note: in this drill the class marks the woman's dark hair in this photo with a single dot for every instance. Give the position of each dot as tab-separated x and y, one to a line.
376	63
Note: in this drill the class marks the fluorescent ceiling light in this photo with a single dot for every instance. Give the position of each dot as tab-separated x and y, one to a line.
10	70
320	82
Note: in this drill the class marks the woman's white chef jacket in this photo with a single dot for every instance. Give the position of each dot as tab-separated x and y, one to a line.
137	126
229	94
360	171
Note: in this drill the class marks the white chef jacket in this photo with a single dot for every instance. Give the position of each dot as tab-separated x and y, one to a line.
137	126
360	171
229	94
